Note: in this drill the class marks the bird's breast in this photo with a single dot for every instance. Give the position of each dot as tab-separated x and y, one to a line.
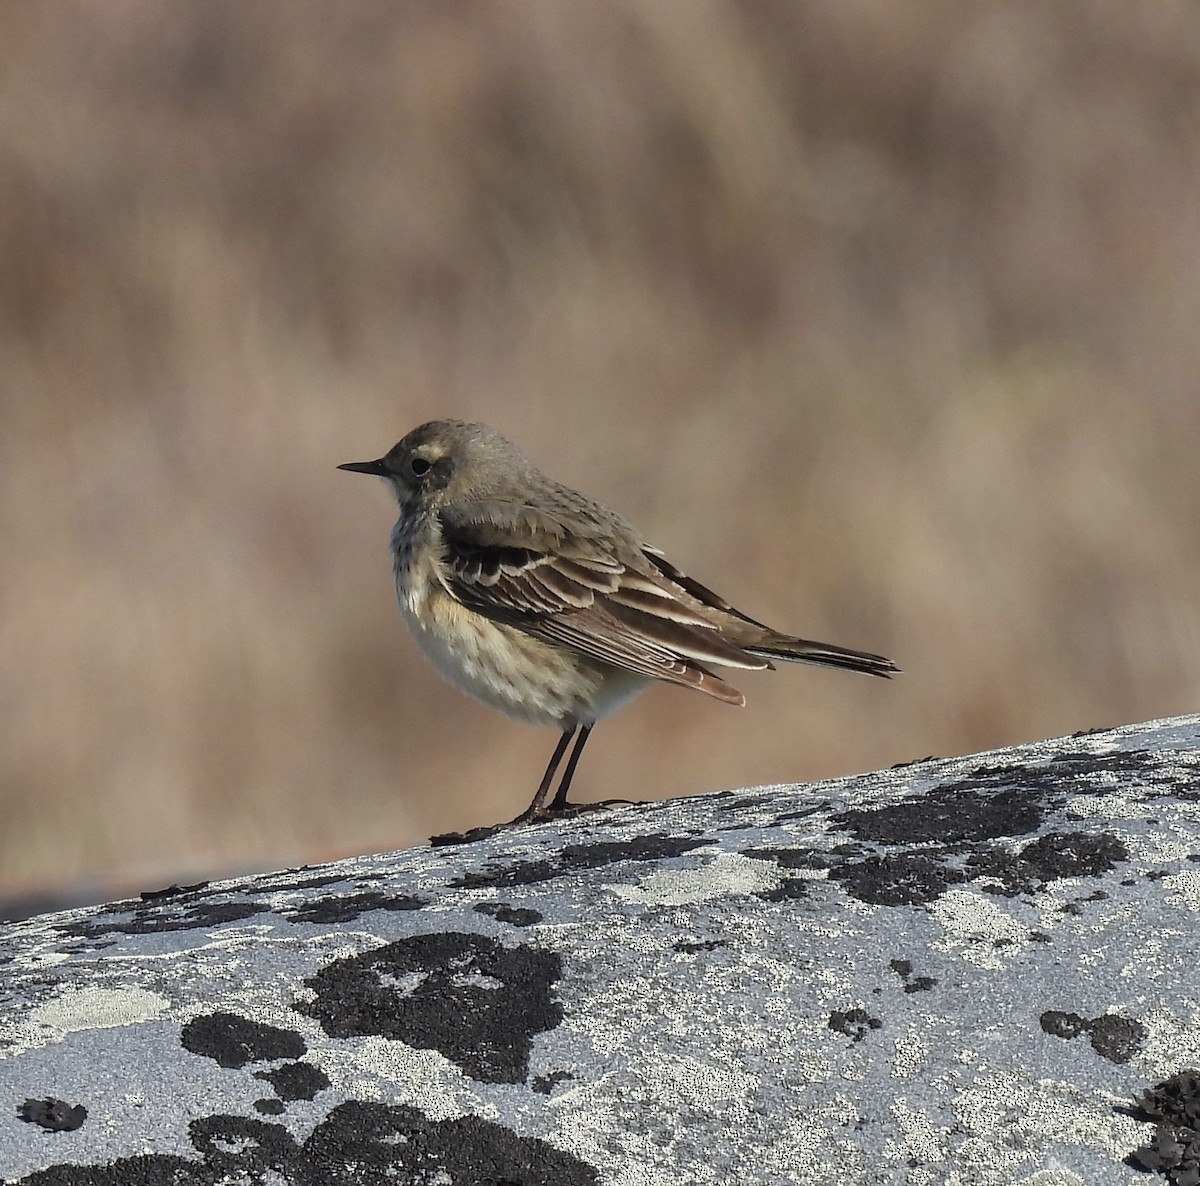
497	664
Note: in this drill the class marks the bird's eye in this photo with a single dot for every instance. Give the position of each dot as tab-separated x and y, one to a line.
420	466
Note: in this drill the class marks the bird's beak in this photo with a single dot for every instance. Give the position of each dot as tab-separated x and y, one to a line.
378	468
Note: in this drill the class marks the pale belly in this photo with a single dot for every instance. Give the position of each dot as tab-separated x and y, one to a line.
508	670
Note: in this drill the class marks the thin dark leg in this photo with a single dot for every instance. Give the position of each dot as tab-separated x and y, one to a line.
535	809
560	799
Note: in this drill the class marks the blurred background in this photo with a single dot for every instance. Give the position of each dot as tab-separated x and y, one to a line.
884	324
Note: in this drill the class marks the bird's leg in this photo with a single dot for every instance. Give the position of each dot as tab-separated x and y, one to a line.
560	798
536	808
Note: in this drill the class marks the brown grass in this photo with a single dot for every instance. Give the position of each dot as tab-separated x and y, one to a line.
883	325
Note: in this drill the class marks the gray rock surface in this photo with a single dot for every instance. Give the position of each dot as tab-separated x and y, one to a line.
958	971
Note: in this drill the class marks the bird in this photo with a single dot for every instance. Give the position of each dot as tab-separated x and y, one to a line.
544	604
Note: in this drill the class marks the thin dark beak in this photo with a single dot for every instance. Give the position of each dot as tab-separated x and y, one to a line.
378	468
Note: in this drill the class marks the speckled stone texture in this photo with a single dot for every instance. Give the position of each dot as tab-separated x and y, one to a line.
959	971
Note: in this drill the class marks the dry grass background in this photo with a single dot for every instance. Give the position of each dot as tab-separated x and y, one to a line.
886	324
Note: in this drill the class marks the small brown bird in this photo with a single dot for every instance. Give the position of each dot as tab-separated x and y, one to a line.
546	605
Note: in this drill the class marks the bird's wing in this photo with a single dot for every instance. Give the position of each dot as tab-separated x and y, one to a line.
701	593
561	578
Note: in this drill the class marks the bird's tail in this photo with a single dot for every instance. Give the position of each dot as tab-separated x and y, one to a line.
823	654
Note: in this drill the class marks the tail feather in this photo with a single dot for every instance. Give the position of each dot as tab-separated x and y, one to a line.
823	654
751	637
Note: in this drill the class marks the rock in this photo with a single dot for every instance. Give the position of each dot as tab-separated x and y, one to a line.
957	971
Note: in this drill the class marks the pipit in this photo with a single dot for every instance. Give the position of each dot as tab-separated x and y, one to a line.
546	605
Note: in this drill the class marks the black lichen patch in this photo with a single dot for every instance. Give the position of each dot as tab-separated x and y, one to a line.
924	874
1174	1107
169	914
351	906
1072	854
854	1023
1117	1038
231	1040
807	812
1145	765
914	762
266	1107
948	835
476	1001
233	1144
515	916
798	857
728	801
787	890
295	1080
151	1169
1064	1025
906	879
1051	857
1008	800
1114	1037
397	1143
172	891
574	857
284	884
956	813
470	836
904	969
545	1084
54	1115
686	948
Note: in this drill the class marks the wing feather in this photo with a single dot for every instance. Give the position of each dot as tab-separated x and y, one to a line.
700	592
573	574
530	572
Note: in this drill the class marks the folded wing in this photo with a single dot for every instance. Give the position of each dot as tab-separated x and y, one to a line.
597	593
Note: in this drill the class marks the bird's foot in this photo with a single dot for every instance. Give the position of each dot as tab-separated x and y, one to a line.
543	815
